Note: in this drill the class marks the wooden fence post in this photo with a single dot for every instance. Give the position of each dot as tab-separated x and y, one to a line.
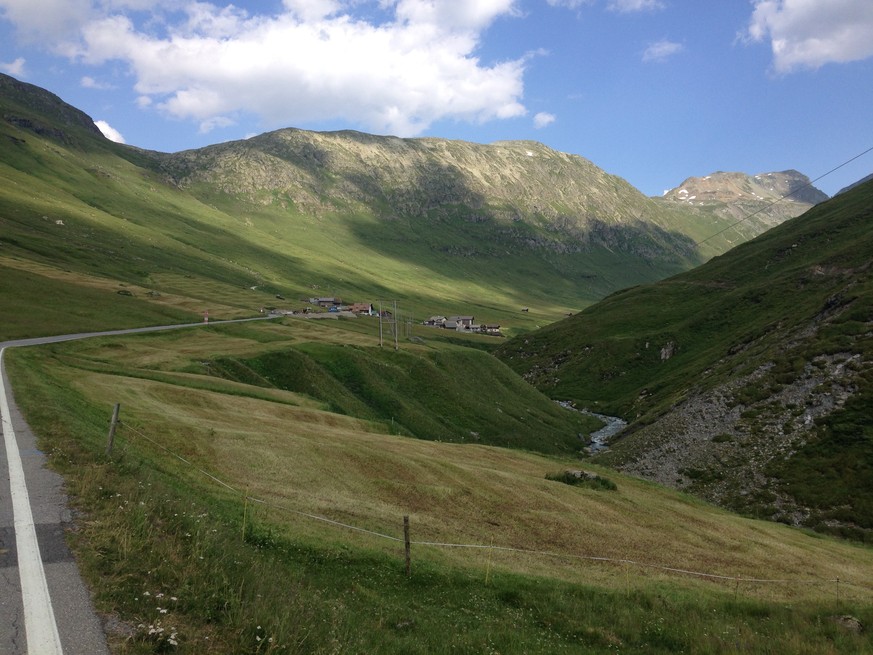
407	545
245	514
488	568
112	425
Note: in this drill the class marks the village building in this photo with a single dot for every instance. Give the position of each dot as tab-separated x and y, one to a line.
463	324
362	308
326	302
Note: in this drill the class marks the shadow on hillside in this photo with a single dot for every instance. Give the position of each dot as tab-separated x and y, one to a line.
442	225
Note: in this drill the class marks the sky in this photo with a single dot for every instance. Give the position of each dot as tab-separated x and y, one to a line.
654	91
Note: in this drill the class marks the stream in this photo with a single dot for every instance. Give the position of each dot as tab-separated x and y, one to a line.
613	426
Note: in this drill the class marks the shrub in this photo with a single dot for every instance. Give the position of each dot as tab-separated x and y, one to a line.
583	479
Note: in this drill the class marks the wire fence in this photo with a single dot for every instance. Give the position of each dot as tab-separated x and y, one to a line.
837	582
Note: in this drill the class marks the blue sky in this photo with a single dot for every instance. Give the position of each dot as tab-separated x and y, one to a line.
654	91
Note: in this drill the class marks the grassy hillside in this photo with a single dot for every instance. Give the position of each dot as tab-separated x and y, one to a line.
240	546
444	227
81	224
253	502
747	379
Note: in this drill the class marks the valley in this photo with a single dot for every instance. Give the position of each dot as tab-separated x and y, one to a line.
255	495
435	225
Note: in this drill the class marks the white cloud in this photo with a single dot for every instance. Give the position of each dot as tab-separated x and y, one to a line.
215	122
88	82
109	132
37	20
14	68
569	4
662	50
313	9
631	6
811	33
621	6
313	62
543	119
452	15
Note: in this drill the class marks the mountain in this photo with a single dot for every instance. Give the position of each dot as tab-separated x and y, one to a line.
443	226
777	196
852	186
35	110
748	380
523	195
460	200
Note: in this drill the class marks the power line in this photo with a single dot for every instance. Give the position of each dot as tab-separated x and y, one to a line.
787	195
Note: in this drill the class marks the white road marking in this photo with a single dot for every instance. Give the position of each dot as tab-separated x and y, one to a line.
39	617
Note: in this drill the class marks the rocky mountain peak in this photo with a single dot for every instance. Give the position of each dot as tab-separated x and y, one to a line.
772	197
727	188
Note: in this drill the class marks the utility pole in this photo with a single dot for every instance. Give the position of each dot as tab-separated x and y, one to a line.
392	323
395	318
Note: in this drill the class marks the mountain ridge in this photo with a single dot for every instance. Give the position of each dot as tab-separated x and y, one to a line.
446	227
432	179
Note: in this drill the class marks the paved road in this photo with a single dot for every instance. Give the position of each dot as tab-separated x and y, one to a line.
45	608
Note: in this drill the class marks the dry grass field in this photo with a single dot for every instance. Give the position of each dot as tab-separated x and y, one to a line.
285	449
269	516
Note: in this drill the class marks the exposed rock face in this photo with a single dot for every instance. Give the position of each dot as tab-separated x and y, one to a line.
720	447
668	351
737	194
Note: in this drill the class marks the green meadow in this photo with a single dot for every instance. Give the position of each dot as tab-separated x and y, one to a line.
254	498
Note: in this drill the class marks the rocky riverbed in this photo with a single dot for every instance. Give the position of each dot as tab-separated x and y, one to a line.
600	438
